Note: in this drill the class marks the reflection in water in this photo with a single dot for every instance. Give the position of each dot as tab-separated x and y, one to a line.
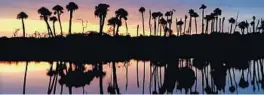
185	76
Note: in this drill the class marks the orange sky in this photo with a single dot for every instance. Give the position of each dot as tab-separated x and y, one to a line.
11	8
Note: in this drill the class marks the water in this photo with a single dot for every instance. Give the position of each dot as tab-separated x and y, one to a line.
133	77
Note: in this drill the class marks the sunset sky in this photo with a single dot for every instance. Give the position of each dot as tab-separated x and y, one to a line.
10	8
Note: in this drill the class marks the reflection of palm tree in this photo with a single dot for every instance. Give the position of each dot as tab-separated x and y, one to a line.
58	11
121	14
54	19
203	7
25	79
115	78
142	11
137	75
71	7
232	87
22	16
232	21
243	83
44	14
101	12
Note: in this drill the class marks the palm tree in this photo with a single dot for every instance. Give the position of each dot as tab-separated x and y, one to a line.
71	7
22	16
208	18
45	14
231	21
185	19
223	22
54	19
242	26
121	14
114	22
247	26
25	79
154	17
191	13
195	15
163	23
253	24
101	12
217	12
159	28
142	11
150	25
58	10
203	7
179	24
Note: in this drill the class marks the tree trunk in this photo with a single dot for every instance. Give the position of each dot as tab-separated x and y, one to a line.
137	30
101	78
196	26
23	25
150	30
49	29
184	30
231	28
25	79
143	23
155	27
216	24
54	30
70	22
220	20
114	27
207	24
223	23
203	21
60	24
190	26
126	27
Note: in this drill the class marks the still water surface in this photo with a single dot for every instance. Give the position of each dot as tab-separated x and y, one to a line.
133	77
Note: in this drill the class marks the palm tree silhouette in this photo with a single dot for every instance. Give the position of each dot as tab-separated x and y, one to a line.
223	22
253	24
159	28
232	21
179	24
208	18
163	23
217	12
54	19
150	25
71	7
121	14
22	16
45	14
101	12
25	79
185	22
203	7
242	26
195	15
142	11
247	26
191	13
154	17
114	22
58	10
